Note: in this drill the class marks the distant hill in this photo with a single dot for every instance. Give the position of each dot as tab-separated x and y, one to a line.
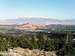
30	26
41	20
38	23
34	20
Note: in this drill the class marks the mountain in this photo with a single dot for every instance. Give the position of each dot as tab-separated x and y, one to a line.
30	26
41	20
6	22
69	22
34	23
37	20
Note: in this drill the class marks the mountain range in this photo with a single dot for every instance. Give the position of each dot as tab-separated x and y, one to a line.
38	20
30	26
37	23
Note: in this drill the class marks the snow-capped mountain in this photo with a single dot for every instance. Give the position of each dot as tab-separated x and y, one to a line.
38	20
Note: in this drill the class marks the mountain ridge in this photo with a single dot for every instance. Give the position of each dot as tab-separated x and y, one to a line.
40	20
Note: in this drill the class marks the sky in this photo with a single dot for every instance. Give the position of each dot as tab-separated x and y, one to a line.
57	9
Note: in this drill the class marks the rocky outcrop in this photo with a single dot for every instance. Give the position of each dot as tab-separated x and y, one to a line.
27	52
30	26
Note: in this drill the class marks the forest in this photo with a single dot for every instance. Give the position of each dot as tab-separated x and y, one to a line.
41	41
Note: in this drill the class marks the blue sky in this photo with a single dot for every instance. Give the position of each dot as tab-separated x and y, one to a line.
58	9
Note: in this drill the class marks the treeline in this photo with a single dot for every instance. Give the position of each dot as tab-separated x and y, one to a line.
40	41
